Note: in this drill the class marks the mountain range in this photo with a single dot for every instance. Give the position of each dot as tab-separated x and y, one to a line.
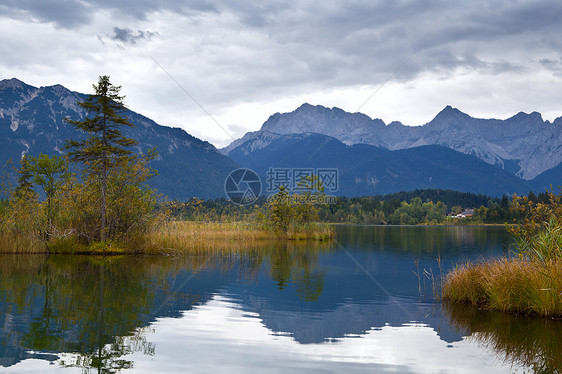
453	151
524	144
489	156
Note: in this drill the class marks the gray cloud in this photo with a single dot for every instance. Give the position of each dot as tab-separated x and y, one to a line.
63	13
128	36
555	66
230	53
358	43
307	47
141	9
72	14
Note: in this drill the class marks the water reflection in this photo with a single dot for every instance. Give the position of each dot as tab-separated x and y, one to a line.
424	239
94	306
74	304
221	336
286	305
534	342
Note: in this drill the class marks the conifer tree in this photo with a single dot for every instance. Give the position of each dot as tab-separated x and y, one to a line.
105	147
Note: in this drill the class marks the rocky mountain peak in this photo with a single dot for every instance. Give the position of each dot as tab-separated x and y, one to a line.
57	89
396	124
451	115
12	83
534	118
321	120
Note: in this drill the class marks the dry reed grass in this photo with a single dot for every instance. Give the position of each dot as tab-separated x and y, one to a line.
172	237
516	285
12	242
189	236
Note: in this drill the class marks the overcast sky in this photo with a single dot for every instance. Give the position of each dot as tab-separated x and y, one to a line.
243	61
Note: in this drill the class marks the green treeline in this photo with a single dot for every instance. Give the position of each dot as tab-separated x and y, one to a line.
420	207
403	208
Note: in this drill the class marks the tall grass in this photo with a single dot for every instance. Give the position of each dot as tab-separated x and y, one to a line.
544	245
516	285
168	237
531	281
182	236
14	242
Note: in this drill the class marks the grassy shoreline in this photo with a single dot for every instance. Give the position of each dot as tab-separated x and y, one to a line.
517	285
531	281
189	236
172	237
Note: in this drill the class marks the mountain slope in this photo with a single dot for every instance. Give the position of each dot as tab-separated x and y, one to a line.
524	144
550	178
32	121
369	170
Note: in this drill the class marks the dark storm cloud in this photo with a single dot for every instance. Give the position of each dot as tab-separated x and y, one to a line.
128	36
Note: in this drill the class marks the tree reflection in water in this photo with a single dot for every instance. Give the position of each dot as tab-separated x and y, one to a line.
93	311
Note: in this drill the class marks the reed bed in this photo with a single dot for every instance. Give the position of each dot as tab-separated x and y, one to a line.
13	242
182	236
170	238
517	285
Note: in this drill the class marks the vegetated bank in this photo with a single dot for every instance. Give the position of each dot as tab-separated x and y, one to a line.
528	282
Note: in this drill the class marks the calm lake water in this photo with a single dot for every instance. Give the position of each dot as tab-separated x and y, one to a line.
363	304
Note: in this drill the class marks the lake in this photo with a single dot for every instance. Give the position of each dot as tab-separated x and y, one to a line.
366	303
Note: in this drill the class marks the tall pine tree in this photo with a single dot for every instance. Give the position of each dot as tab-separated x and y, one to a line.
105	147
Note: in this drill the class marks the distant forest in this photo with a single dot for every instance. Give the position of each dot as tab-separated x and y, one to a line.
431	206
